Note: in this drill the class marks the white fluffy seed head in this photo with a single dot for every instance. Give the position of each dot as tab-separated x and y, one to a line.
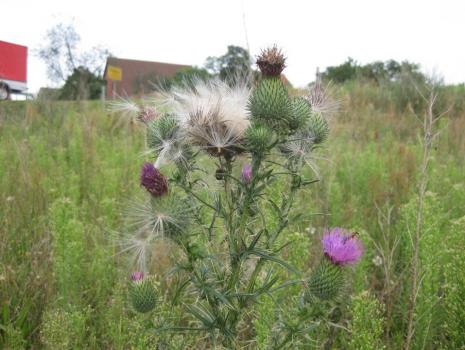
147	222
300	147
212	113
321	100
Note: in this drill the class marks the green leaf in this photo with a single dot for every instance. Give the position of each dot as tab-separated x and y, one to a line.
202	314
264	255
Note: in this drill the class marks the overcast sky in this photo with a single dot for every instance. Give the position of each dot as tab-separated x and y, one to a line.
311	33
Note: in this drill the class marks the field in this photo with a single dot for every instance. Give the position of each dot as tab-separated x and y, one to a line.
68	170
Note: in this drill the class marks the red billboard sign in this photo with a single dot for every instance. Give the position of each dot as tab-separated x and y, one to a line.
13	62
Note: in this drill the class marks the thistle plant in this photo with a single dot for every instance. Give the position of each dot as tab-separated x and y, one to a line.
340	248
143	293
217	150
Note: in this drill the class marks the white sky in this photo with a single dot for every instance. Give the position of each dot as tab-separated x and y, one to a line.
311	33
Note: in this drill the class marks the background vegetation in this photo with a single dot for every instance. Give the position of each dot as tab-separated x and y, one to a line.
67	170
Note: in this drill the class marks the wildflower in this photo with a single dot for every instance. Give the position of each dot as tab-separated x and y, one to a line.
147	114
327	280
377	260
137	276
270	103
246	174
341	247
153	180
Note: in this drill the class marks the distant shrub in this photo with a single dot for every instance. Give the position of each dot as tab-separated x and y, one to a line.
453	289
367	323
82	84
378	71
63	329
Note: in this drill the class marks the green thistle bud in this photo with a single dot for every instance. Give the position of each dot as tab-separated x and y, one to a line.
301	113
318	127
259	138
143	294
271	105
161	130
326	281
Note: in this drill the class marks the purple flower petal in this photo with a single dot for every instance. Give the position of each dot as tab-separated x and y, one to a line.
137	276
153	180
246	173
341	247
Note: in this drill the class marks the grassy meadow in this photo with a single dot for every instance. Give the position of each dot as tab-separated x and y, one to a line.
68	170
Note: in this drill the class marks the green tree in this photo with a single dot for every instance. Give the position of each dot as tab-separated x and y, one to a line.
378	72
343	72
234	64
65	60
190	75
82	84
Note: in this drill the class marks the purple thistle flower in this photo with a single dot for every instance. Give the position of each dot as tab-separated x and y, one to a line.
341	247
147	114
153	180
137	276
246	173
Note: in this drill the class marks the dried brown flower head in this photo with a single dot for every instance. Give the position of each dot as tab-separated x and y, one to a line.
271	62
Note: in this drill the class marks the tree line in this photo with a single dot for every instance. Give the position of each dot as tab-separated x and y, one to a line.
80	72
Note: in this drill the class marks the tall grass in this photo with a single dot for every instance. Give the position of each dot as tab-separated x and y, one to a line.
66	171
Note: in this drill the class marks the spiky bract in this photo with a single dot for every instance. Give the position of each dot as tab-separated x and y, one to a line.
259	138
326	281
143	294
166	138
301	113
160	131
271	62
318	127
270	104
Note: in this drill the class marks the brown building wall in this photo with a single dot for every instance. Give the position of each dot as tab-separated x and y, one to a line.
137	76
